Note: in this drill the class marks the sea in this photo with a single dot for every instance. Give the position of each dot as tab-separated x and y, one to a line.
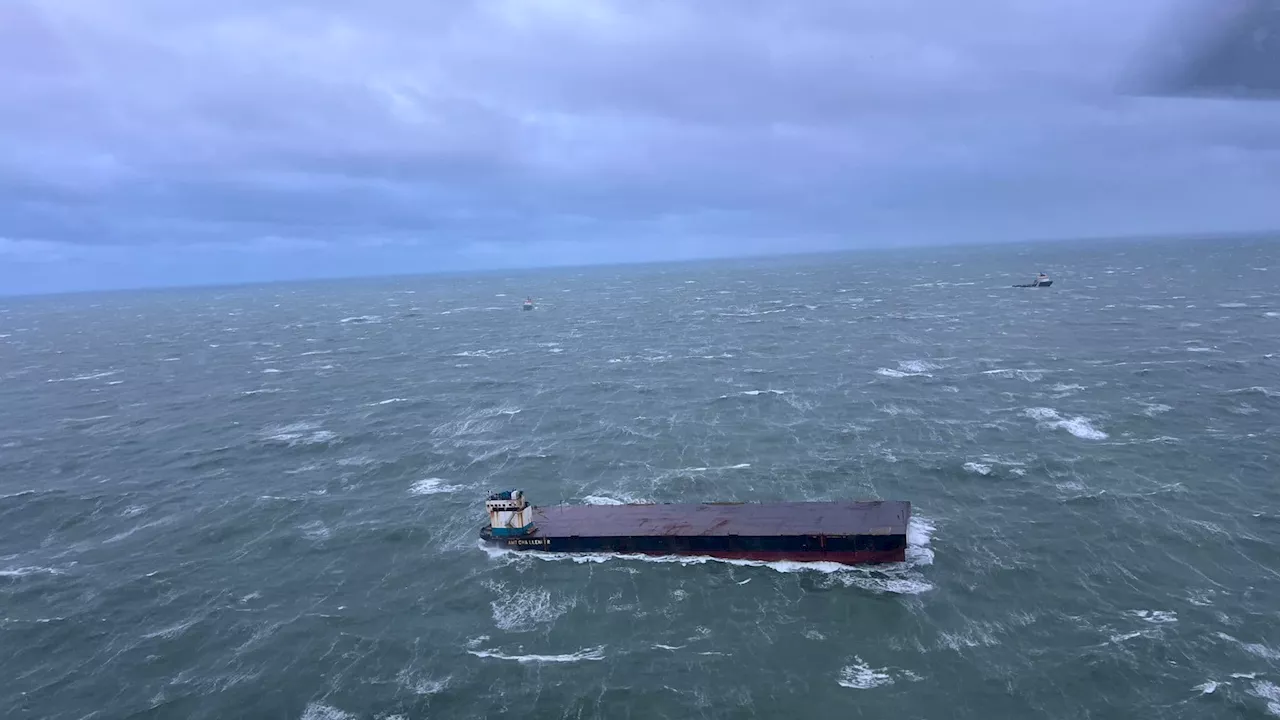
264	501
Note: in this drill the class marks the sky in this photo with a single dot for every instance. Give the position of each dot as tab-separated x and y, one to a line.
173	142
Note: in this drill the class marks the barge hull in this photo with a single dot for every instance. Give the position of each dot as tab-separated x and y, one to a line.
893	550
844	532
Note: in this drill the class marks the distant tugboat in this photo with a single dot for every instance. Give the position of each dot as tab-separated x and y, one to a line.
1042	280
528	304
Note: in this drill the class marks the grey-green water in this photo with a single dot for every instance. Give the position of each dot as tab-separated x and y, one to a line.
263	502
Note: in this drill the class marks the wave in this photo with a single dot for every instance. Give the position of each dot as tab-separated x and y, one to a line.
1255	649
919	537
1081	427
82	378
625	499
753	393
522	610
909	368
299	433
1270	692
421	686
434	486
596	653
718	468
1033	375
22	572
1255	390
1158	617
320	711
1153	409
861	676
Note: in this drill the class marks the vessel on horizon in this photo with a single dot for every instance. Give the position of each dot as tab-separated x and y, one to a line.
1041	280
846	532
528	304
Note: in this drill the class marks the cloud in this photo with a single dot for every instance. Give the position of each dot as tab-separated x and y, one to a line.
458	134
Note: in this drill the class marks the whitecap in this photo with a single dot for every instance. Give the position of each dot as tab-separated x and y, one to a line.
596	653
1156	616
978	468
1011	373
917	366
29	570
82	378
621	499
861	676
299	433
360	319
919	537
391	400
420	685
888	372
1257	649
320	711
315	530
1081	427
1269	692
682	471
753	393
434	486
526	608
1153	409
1256	389
1206	688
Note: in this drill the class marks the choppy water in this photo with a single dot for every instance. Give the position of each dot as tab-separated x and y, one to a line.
263	502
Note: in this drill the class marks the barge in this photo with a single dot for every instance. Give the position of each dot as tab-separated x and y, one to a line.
847	532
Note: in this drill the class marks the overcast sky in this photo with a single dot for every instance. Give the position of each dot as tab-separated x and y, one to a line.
149	142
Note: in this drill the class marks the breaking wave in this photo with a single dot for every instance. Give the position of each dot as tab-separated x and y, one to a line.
433	486
596	653
1081	427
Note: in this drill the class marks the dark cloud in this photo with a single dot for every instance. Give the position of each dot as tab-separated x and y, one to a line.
330	136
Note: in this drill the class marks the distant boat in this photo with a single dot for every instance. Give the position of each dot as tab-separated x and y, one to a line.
1042	280
528	304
